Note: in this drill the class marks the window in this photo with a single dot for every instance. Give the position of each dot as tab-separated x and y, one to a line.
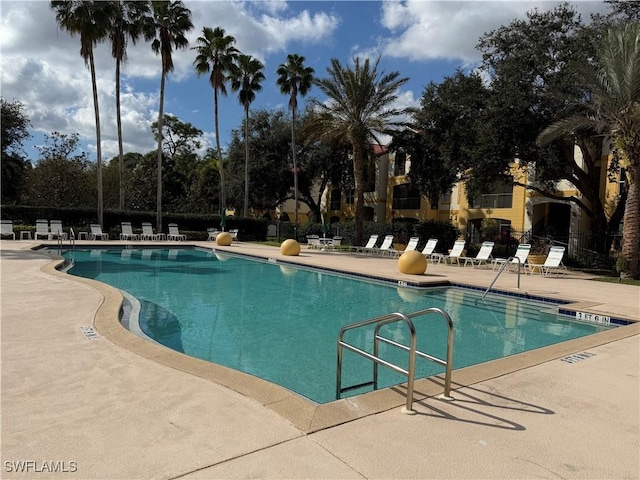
349	196
400	164
499	195
406	197
336	196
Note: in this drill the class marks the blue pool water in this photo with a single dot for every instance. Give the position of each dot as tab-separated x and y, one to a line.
280	323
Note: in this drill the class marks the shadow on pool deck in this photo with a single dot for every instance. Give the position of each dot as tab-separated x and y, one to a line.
532	414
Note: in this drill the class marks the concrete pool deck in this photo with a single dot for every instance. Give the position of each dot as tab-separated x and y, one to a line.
99	409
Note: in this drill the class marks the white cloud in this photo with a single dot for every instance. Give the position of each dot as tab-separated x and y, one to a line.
428	30
41	65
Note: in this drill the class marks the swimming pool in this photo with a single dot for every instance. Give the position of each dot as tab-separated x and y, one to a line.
280	323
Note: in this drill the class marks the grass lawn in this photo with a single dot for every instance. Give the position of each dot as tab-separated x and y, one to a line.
623	281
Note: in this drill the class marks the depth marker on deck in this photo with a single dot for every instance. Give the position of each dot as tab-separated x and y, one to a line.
89	333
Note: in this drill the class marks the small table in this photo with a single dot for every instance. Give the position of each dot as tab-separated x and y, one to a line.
25	233
83	235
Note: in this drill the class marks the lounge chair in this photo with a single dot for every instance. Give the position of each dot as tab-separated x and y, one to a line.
428	250
42	229
412	245
147	232
313	242
520	257
387	246
127	232
96	232
55	228
174	233
455	253
212	234
368	248
553	263
483	256
7	229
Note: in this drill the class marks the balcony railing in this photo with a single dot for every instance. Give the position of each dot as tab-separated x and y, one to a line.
412	203
493	200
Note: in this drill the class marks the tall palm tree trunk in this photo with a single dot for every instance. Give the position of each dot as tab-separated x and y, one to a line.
120	148
358	173
295	167
246	161
631	225
159	162
96	110
223	195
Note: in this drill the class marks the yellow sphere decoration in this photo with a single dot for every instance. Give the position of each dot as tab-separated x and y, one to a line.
224	239
412	263
290	247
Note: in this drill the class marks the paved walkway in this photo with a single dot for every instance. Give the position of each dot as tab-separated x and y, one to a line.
98	410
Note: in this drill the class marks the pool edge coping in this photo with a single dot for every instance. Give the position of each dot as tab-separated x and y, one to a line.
304	414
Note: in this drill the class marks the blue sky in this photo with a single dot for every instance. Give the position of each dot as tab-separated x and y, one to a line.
423	40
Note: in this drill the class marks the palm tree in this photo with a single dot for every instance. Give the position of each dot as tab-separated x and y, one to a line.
217	54
126	23
246	79
612	108
90	20
294	78
170	23
357	109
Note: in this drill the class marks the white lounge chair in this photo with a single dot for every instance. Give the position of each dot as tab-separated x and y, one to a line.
42	229
520	257
387	246
455	253
483	256
7	229
127	232
96	233
55	228
428	250
174	233
553	263
411	245
368	248
147	232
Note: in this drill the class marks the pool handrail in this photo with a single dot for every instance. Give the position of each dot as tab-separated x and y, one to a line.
410	371
502	268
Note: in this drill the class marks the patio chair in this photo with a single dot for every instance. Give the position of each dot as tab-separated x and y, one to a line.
96	232
212	234
455	253
174	233
42	229
234	234
553	263
428	250
335	242
520	257
7	229
313	242
483	256
147	232
411	245
55	228
368	248
127	232
387	246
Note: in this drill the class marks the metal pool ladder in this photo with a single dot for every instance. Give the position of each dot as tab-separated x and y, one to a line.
503	267
375	358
